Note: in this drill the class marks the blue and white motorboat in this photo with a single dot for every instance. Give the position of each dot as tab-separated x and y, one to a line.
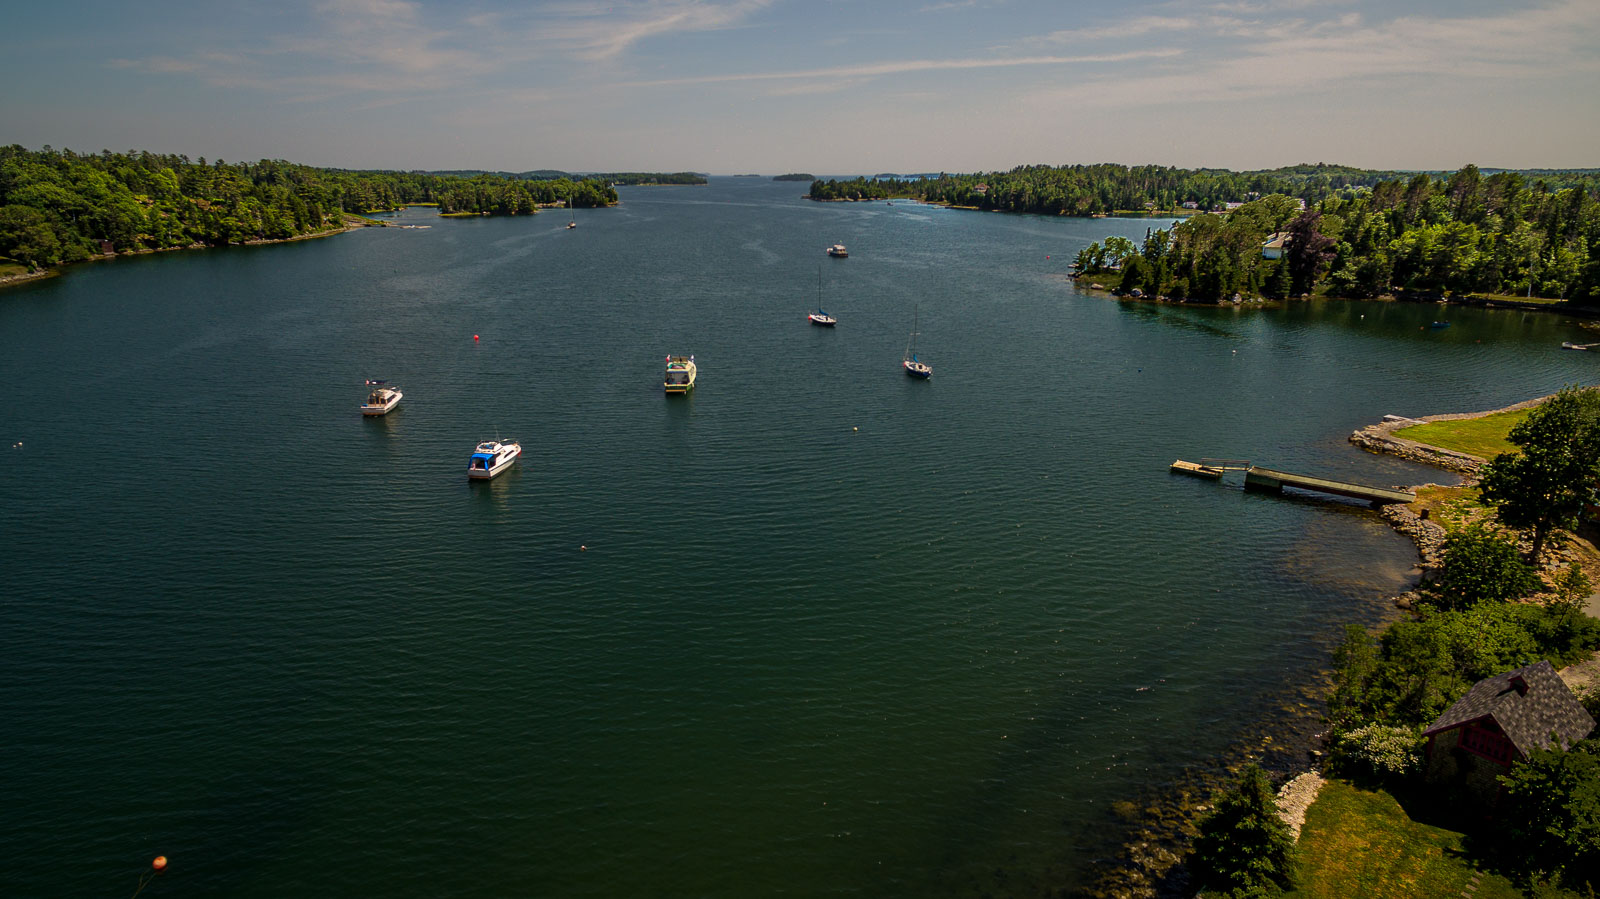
492	457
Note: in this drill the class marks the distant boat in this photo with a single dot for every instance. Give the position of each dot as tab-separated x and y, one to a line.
1575	346
819	317
573	213
382	399
913	367
1439	324
492	457
680	375
838	251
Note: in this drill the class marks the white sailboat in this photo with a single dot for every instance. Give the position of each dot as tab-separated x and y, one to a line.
819	317
913	367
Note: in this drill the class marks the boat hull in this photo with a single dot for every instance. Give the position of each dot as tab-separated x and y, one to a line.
823	321
917	369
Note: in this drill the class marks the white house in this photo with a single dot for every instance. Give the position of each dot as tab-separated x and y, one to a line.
1273	248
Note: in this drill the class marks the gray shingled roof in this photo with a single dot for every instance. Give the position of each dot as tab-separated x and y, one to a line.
1529	720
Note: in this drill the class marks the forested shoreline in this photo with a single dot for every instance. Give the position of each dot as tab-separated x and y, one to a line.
1341	231
61	207
1465	233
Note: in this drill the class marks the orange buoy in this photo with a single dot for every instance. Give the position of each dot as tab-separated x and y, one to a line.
160	864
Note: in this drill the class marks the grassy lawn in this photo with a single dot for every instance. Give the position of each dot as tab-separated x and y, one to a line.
1361	843
1452	507
1484	437
1517	298
1104	279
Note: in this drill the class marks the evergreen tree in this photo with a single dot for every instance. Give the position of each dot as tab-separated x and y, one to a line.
1243	846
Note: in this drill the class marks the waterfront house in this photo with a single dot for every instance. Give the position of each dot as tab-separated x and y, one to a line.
1498	722
1276	242
981	190
1190	204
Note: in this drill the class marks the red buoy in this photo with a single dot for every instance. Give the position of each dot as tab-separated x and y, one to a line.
160	864
474	337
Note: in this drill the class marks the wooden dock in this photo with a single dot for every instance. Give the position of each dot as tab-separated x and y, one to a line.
1197	470
1266	479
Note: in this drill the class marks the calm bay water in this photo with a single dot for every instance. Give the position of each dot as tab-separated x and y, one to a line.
298	653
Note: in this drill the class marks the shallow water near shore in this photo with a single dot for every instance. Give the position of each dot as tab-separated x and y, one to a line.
836	631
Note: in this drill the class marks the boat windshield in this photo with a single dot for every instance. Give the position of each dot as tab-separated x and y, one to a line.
677	377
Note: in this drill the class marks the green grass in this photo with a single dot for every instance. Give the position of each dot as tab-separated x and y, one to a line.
1516	298
9	268
1104	279
1358	842
1483	437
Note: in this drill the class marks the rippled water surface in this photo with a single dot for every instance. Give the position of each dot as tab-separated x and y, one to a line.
836	631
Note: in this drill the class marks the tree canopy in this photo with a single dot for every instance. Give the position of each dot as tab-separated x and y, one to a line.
58	206
1547	484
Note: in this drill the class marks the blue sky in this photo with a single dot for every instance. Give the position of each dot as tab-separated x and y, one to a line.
824	86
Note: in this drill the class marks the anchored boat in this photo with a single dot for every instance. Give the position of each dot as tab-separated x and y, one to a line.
680	374
913	367
819	317
838	251
382	399
492	457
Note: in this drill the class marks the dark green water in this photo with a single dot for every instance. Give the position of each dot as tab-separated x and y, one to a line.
298	653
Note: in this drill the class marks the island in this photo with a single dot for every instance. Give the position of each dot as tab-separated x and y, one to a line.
794	177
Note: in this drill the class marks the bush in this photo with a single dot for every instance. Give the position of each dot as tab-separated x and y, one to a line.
1549	816
1378	752
1480	566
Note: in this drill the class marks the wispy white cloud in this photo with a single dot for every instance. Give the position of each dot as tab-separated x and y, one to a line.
1290	57
907	66
619	28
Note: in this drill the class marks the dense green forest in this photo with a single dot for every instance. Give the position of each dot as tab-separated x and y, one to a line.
58	206
613	178
1105	189
1464	233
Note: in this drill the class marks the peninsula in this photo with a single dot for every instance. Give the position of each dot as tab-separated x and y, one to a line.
60	207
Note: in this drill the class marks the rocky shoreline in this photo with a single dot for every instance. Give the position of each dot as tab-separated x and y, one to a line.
1151	860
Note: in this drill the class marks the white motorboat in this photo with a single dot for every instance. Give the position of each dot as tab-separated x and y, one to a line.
680	374
838	251
382	399
492	457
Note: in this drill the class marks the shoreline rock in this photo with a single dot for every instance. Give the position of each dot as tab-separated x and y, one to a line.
1295	796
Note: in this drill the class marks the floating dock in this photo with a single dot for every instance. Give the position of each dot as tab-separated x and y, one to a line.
1273	481
1267	479
1196	469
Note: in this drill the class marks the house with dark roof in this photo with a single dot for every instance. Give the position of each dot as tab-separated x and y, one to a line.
1498	723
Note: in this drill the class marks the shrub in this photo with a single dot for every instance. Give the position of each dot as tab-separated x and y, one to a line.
1378	751
1549	816
1480	566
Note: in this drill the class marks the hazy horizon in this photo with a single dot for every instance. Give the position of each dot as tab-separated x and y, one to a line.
775	86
